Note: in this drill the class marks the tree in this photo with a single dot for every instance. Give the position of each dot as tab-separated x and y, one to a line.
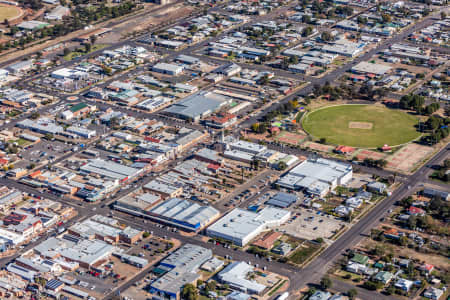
386	18
282	166
307	31
146	234
87	47
210	286
35	115
326	283
306	19
362	20
326	36
403	240
293	59
93	39
189	292
443	15
412	222
66	51
352	294
107	70
255	127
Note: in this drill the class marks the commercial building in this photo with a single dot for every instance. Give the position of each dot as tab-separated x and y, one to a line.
317	177
248	147
344	48
82	132
105	229
110	169
88	253
197	106
20	67
282	200
166	68
241	226
32	25
163	189
44	126
186	59
185	214
431	193
182	266
236	274
371	68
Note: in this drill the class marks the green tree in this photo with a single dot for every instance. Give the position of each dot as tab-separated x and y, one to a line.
87	47
307	31
189	292
326	36
403	241
93	39
352	294
326	283
282	166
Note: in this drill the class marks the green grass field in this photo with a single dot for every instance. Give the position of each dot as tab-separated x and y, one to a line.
75	54
8	12
384	126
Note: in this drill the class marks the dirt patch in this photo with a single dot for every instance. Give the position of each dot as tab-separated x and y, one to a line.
360	125
319	147
408	157
290	138
363	154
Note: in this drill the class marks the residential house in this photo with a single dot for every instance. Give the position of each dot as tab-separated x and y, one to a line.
404	284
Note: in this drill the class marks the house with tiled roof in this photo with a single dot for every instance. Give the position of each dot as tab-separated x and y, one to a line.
392	233
415	211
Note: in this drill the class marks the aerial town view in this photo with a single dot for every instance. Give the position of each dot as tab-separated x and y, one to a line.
225	149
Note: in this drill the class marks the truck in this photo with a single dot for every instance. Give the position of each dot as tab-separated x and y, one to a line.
283	296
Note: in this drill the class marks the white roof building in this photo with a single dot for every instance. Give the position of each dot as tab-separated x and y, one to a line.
318	176
235	275
369	68
240	226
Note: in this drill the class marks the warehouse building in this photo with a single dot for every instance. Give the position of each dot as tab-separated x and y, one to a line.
44	126
282	200
241	226
165	68
344	48
236	274
185	214
110	169
248	147
369	68
163	189
82	132
181	267
318	176
88	253
197	106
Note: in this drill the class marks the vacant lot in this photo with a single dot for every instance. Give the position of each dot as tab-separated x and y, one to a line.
381	125
9	12
303	253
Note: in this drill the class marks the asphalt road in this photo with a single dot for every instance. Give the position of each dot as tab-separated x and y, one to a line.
317	268
330	77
